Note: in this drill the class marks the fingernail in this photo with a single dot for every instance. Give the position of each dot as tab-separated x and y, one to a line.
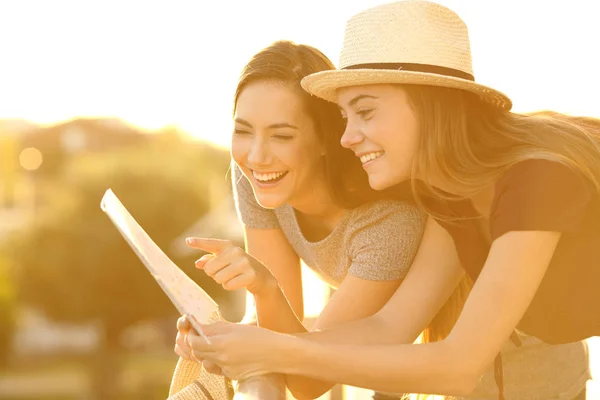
189	240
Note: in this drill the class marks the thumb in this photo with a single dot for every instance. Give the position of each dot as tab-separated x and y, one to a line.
183	324
210	245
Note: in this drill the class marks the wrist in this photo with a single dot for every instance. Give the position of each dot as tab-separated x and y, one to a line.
267	288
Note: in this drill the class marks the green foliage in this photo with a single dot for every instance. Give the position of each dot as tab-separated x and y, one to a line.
74	265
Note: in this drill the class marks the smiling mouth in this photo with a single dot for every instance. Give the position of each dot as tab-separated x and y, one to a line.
365	158
271	177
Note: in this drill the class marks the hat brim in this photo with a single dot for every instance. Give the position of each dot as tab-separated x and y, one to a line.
324	84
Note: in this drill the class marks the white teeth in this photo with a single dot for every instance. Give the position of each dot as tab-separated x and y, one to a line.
267	177
370	156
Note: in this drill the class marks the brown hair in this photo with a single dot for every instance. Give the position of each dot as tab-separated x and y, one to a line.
287	62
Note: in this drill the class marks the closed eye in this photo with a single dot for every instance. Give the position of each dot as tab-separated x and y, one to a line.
283	137
365	114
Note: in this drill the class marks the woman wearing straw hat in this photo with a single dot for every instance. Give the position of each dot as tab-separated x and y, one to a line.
300	195
513	200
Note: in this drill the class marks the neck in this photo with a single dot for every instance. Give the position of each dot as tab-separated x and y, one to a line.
318	204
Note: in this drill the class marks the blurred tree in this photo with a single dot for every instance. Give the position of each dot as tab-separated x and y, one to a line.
7	312
75	266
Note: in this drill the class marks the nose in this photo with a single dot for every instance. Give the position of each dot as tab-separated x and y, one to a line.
259	152
352	136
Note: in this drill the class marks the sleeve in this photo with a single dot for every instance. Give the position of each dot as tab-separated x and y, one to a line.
249	212
384	240
539	195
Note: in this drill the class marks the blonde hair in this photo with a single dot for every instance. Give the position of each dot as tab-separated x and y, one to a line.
467	144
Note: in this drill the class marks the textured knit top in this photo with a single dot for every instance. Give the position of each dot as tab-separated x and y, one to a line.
375	241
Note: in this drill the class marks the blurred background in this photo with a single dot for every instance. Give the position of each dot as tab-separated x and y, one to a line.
136	96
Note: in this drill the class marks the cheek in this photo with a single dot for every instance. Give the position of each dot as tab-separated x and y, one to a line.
378	131
311	155
294	161
403	138
239	150
293	155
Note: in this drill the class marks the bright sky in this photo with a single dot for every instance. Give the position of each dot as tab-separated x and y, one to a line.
177	62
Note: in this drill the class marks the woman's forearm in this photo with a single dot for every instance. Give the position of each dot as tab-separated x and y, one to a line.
274	312
373	329
434	368
369	330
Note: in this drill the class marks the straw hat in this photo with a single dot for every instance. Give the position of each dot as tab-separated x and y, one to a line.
407	42
192	382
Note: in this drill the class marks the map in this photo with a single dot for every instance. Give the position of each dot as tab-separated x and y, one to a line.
189	298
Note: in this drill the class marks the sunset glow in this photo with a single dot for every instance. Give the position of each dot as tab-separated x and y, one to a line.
177	63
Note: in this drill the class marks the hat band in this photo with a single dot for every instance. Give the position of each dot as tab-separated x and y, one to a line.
432	69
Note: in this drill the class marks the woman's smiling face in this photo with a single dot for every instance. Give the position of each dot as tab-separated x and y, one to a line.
275	143
382	130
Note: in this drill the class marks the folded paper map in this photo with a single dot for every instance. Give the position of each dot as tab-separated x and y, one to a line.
189	298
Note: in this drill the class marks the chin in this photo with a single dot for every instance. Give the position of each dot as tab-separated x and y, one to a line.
377	183
269	201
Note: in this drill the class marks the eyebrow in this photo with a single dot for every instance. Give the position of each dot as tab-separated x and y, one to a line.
272	126
360	97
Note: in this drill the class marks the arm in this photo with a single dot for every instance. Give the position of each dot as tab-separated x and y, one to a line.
513	271
266	241
355	299
375	271
279	306
243	351
433	276
274	312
